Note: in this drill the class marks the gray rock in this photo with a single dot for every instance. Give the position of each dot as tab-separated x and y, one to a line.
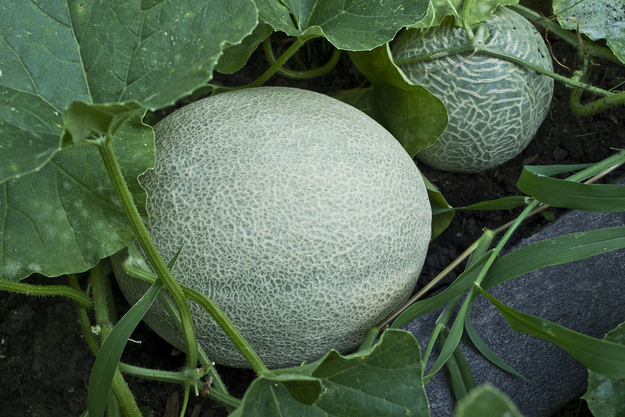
586	296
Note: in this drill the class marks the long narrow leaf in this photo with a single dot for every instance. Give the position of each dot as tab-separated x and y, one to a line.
485	242
453	338
554	251
483	348
598	355
442	212
550	170
462	379
111	351
548	252
505	203
608	198
460	285
441	323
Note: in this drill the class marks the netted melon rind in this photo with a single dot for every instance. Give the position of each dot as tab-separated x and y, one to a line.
301	217
495	107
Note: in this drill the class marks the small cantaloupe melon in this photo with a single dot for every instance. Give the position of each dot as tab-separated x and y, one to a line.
300	216
495	107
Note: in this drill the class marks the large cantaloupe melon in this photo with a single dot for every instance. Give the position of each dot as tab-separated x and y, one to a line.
300	216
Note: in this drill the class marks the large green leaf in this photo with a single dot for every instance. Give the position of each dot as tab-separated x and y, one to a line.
384	380
40	73
410	112
599	19
353	25
479	10
55	52
82	120
606	396
236	56
155	53
89	67
67	216
486	400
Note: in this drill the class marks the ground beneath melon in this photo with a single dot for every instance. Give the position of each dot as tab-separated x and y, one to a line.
45	362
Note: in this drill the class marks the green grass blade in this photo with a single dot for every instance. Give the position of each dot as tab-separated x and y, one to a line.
453	338
174	258
477	341
550	170
483	245
370	338
440	324
457	383
111	351
460	285
462	379
505	203
608	198
554	251
483	348
558	250
598	355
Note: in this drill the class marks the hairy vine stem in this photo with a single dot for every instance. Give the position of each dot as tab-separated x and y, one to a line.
47	290
607	100
305	74
275	67
216	313
557	77
507	57
83	317
105	146
597	105
465	13
279	63
175	378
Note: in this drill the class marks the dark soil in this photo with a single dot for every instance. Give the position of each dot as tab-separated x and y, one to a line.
45	363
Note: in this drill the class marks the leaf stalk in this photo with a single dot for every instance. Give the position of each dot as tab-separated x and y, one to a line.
305	74
179	377
216	313
47	290
112	167
557	77
279	63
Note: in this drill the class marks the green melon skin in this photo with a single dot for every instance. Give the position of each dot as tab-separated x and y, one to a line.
495	107
300	216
